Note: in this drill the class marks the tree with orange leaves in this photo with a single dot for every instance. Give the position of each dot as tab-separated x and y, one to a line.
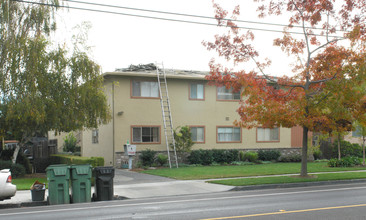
330	62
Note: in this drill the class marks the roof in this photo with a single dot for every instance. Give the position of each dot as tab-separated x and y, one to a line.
149	70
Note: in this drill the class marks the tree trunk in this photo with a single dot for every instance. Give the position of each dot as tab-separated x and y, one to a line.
15	155
304	152
363	150
339	146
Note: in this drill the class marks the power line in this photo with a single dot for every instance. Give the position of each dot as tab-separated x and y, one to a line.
190	15
164	19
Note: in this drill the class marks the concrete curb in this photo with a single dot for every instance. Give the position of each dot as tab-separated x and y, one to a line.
23	204
43	203
293	185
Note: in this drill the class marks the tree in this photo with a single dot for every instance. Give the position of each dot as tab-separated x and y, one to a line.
361	130
44	86
183	139
329	59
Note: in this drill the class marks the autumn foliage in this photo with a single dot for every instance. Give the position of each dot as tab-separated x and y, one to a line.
325	91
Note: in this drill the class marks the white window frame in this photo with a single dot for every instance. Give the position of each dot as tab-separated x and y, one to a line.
224	94
144	89
227	134
198	93
196	133
95	136
268	134
138	136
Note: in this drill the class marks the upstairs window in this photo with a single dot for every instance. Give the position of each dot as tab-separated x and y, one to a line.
197	91
227	94
144	134
145	89
267	134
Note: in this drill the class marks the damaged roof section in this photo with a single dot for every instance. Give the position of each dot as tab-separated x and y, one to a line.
149	70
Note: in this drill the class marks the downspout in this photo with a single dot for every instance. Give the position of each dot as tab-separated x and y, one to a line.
113	132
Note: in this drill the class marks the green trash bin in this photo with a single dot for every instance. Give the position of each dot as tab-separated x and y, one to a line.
58	177
103	183
81	183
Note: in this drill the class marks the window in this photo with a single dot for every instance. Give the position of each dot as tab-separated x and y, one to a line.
145	89
95	136
357	132
228	134
267	134
197	91
145	134
198	134
227	94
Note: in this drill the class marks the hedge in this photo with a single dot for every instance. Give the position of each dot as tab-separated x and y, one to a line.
17	170
207	157
69	159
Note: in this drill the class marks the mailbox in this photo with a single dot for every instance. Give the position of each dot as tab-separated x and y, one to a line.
130	150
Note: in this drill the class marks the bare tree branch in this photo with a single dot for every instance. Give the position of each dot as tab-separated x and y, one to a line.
324	45
326	80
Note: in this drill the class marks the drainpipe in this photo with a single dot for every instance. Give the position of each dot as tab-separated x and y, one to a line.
113	132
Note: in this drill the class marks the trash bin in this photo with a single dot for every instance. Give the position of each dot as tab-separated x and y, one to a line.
58	177
81	183
37	191
103	183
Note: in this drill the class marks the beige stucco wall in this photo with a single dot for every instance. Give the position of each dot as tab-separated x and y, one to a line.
209	113
350	138
104	147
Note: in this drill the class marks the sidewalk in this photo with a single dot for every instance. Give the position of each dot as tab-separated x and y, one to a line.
130	184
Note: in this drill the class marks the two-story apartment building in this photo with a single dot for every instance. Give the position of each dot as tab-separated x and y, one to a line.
137	118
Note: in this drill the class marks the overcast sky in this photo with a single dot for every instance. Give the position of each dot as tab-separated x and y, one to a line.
119	41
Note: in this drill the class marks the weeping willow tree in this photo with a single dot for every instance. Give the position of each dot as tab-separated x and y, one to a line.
44	86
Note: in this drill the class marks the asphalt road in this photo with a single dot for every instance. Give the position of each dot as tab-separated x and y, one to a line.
322	202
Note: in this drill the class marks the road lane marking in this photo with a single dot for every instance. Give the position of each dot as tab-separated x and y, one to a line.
179	201
281	212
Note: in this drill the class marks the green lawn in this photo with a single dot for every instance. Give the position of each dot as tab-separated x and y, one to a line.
291	179
26	183
212	172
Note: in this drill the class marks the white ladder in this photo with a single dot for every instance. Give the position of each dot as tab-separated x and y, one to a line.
167	115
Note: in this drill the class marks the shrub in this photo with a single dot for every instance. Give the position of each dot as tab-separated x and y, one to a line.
344	162
6	154
23	160
70	159
17	170
268	155
317	154
70	143
147	157
195	157
162	159
251	156
183	139
241	156
224	156
347	149
207	157
203	157
291	158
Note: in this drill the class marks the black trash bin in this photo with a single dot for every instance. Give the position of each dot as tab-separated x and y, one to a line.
37	191
103	183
